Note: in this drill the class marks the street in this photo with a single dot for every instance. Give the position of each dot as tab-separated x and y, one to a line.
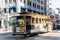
54	35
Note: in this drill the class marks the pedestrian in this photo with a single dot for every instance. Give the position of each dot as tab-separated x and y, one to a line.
47	26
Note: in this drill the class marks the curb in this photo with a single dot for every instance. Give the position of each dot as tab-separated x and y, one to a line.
5	31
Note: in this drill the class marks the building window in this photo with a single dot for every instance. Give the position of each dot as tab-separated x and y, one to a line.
24	1
44	3
34	5
10	1
5	10
29	3
14	9
9	10
14	0
6	1
44	9
38	1
41	8
41	2
38	6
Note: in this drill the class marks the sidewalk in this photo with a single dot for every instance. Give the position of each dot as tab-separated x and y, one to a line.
2	31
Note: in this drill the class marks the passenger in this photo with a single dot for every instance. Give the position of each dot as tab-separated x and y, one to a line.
21	22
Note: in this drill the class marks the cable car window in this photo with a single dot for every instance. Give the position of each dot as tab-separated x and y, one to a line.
39	20
36	20
33	20
28	20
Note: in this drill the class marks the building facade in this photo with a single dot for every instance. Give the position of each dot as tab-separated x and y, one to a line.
58	10
38	6
50	7
16	6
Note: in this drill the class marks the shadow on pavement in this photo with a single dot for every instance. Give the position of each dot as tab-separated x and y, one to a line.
51	37
37	37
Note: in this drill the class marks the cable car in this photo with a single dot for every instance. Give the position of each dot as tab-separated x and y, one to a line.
31	23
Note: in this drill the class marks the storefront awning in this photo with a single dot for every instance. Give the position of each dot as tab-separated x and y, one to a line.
23	7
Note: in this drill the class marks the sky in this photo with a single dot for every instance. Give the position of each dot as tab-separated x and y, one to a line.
57	3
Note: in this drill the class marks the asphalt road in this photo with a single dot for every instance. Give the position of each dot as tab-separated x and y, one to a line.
54	35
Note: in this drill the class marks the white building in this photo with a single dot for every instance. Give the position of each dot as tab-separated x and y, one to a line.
16	6
26	5
51	7
58	10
